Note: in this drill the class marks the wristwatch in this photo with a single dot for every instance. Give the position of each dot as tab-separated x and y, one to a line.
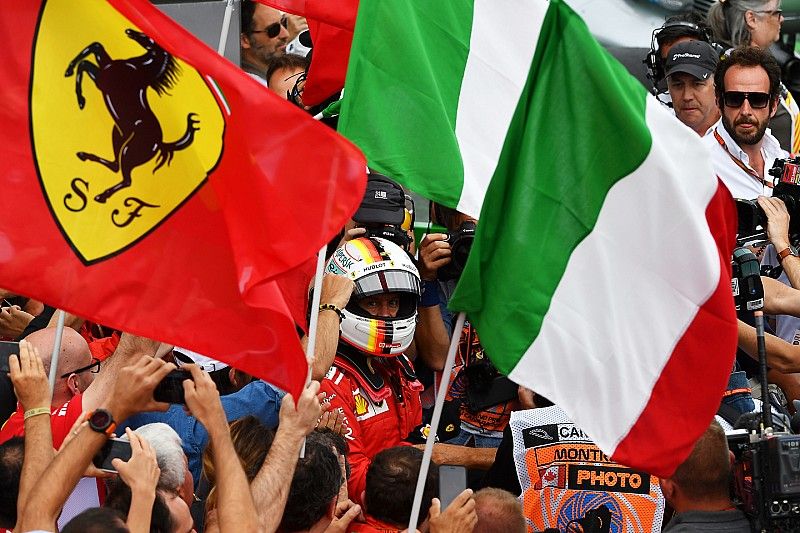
101	421
786	252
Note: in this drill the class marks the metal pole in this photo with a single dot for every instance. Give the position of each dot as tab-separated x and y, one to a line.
226	25
56	351
437	414
312	323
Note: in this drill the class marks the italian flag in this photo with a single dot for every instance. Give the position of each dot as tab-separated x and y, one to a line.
600	272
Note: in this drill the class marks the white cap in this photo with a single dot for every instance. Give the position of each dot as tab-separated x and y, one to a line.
208	364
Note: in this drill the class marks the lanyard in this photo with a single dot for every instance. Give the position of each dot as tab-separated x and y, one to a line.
750	172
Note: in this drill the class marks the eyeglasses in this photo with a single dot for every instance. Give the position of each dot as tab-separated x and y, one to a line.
274	29
94	368
737	98
771	12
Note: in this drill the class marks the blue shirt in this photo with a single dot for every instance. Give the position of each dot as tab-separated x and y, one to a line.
257	398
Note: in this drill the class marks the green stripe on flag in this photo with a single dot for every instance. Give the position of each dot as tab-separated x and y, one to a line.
403	80
578	129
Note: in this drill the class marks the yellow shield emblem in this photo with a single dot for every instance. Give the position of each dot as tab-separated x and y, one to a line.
123	132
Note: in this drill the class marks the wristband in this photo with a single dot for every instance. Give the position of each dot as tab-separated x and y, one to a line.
331	307
430	294
36	412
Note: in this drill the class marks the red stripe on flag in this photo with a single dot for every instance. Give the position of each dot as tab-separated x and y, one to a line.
688	393
331	24
295	7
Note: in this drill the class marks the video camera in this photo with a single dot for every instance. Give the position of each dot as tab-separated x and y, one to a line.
766	479
460	245
786	177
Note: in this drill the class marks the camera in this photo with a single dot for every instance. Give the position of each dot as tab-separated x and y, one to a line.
786	177
766	479
393	233
460	245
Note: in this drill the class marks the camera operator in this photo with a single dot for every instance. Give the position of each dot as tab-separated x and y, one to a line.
780	257
783	252
699	490
386	211
486	398
782	356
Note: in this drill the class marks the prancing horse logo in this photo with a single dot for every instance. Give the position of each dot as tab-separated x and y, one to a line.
137	136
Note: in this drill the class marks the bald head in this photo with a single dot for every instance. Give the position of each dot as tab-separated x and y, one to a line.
498	512
74	349
74	355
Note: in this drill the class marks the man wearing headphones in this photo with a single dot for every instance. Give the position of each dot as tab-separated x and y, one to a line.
676	29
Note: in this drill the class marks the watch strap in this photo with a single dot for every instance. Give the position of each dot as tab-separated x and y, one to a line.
786	252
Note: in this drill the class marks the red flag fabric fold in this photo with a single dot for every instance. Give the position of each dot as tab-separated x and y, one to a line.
331	25
151	185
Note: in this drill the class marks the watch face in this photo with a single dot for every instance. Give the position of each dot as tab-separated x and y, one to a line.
100	419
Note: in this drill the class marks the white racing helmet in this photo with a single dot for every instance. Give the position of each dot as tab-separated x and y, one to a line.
377	266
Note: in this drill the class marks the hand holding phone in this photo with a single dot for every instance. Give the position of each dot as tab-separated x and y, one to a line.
452	482
141	472
170	389
7	349
112	449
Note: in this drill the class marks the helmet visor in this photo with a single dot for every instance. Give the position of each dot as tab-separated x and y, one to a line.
386	281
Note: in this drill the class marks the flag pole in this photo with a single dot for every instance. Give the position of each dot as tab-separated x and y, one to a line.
437	414
312	323
226	25
56	351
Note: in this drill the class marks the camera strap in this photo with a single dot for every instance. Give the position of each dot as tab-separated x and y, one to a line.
739	163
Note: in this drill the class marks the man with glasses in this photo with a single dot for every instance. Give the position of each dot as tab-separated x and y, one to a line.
747	89
80	386
264	36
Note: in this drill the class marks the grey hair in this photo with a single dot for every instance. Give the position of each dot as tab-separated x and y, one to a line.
726	19
169	454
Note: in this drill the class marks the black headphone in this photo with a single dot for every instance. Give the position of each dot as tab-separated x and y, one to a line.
652	61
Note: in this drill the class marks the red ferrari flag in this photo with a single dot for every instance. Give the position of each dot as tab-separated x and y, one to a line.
331	25
151	185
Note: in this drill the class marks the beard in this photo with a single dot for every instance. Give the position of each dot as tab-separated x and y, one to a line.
745	139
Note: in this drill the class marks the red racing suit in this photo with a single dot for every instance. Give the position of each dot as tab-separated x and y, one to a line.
379	399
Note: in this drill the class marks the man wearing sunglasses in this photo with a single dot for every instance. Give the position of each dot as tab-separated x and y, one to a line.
747	90
264	36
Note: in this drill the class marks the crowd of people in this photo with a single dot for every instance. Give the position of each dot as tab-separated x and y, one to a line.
234	453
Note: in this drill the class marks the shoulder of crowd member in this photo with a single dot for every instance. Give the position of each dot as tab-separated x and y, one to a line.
257	398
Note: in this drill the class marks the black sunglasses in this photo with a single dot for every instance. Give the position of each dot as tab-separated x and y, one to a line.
273	29
737	98
94	368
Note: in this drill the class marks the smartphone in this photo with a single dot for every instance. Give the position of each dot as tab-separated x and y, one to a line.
452	482
170	390
7	348
113	448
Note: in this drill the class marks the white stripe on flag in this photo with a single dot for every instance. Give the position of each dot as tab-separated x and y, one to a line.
631	287
502	44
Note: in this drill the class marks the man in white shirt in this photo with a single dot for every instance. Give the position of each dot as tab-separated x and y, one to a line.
743	150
